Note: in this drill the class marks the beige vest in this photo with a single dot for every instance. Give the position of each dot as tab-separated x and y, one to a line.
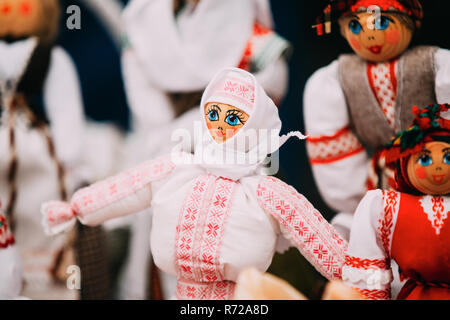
416	87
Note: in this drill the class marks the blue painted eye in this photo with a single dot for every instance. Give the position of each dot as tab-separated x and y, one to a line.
233	120
382	23
447	158
425	160
213	115
355	27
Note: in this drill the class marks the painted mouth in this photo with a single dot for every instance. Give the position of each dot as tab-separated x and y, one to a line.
438	178
376	49
220	134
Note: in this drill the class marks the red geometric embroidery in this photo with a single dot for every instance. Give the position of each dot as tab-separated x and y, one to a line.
6	237
222	290
328	149
110	190
436	209
391	199
199	237
375	294
383	82
308	230
365	264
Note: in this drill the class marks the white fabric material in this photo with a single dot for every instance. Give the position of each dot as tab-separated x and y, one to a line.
193	50
365	244
442	69
342	183
264	116
64	106
10	273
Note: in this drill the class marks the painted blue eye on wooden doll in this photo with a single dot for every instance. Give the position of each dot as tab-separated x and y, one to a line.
409	225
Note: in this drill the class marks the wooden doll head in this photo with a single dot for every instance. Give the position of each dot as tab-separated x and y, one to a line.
25	18
429	170
378	38
420	155
224	120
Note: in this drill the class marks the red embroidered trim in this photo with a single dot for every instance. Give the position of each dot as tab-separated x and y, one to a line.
259	31
383	4
391	201
6	237
309	231
365	264
328	149
375	294
199	237
223	290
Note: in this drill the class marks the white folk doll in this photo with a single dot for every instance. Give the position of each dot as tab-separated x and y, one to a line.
10	264
409	225
214	212
173	49
42	135
356	104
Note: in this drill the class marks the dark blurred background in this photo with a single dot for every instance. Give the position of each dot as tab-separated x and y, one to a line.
98	61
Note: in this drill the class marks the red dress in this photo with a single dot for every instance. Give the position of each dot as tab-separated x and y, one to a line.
421	247
412	231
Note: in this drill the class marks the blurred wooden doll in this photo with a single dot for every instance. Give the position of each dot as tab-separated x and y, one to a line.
172	50
355	105
41	136
409	225
207	205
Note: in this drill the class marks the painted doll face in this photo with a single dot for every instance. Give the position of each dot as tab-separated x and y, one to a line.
429	170
19	18
376	40
223	120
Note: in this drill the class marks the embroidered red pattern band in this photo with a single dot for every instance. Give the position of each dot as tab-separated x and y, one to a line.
365	264
375	294
199	237
306	228
328	149
391	200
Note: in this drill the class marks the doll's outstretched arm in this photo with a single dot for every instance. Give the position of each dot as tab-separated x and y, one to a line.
367	265
338	160
126	193
303	226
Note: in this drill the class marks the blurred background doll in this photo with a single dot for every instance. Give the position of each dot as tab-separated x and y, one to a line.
43	132
10	264
207	204
172	50
407	225
355	105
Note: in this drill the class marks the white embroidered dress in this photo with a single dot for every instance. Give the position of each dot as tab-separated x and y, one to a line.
211	220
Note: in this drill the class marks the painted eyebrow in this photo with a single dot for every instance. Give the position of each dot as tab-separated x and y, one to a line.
216	106
426	151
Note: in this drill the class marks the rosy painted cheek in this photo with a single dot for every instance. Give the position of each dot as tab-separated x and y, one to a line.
25	8
393	37
421	173
355	44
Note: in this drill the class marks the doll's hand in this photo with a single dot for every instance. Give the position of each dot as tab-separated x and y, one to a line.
57	217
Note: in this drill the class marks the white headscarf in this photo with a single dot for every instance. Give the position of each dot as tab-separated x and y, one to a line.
184	58
239	156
